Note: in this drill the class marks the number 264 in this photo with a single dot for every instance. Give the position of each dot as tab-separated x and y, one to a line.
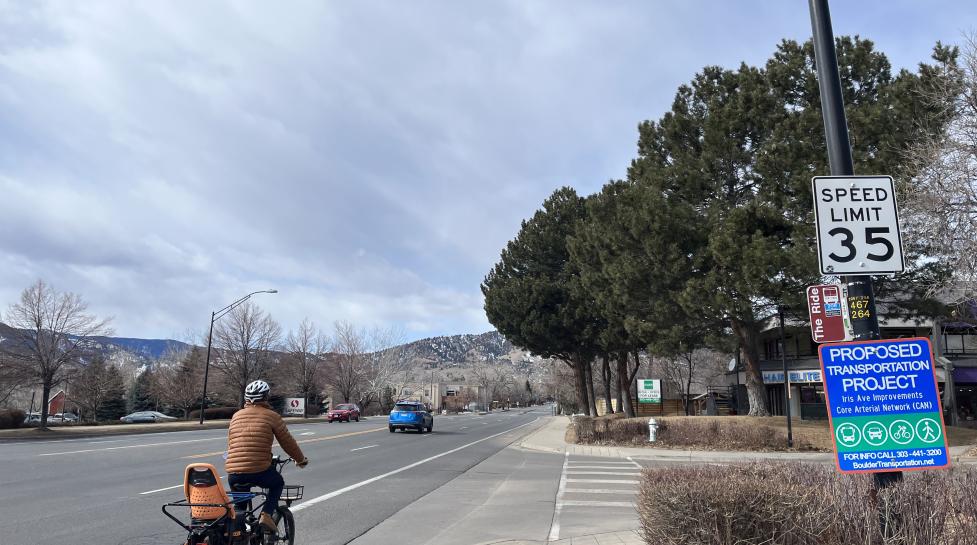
871	239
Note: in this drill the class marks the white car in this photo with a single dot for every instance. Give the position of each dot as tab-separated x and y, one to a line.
146	417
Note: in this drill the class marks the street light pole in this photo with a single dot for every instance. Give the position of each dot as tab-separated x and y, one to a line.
210	340
860	288
214	316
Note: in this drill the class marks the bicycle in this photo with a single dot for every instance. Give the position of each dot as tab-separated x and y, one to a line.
213	519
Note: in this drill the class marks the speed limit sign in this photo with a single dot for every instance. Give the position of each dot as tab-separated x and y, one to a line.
857	225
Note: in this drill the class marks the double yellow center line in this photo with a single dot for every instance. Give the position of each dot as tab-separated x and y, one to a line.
302	442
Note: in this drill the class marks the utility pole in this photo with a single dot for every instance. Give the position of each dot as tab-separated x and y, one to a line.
860	288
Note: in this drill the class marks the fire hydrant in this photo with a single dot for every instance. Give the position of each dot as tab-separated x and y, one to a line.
652	430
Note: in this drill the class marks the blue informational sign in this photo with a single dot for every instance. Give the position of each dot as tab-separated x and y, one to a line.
884	405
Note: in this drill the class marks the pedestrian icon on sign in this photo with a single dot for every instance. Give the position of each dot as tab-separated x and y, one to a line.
928	430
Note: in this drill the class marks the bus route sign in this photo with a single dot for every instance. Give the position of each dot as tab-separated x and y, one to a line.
884	405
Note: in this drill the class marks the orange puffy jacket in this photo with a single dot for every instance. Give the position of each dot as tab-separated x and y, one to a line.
249	439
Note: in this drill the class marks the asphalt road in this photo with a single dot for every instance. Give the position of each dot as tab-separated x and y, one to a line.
109	490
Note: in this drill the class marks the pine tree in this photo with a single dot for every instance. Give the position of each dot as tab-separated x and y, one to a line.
142	398
739	147
114	405
530	295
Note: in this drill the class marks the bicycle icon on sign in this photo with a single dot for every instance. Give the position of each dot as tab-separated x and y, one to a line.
901	432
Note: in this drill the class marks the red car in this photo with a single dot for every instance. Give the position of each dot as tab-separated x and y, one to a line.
344	413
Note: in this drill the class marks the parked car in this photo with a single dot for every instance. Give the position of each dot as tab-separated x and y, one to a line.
344	413
410	414
33	418
57	418
146	417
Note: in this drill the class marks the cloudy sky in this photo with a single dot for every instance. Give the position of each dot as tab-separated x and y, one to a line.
368	159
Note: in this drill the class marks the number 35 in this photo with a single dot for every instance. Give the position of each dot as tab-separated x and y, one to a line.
870	238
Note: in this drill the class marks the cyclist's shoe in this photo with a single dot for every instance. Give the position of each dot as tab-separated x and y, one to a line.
268	523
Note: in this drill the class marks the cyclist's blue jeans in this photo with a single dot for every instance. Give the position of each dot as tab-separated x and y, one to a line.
269	478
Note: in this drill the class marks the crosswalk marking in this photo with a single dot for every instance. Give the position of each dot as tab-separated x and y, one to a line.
601	481
625	473
599	491
581	503
577	474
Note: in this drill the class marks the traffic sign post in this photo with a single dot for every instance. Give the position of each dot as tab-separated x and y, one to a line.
884	406
857	225
828	309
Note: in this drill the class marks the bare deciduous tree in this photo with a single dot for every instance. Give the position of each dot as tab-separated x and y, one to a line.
303	369
346	373
939	205
244	340
691	369
178	379
388	363
51	329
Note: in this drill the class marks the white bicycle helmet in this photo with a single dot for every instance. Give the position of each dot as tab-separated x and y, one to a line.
257	391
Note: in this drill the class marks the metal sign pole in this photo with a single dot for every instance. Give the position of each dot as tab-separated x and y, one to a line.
860	288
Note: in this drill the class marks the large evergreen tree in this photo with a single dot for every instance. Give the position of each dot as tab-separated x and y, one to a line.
114	405
530	294
739	147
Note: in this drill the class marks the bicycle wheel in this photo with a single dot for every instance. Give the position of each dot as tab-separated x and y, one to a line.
286	527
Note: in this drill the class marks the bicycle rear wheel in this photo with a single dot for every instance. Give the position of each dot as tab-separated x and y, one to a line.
286	528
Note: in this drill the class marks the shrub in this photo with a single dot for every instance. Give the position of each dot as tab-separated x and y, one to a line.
11	418
214	413
723	433
804	504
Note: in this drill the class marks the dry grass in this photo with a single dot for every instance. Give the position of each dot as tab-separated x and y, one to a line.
719	433
804	504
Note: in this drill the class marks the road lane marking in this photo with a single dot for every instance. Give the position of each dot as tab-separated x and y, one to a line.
555	525
130	446
333	494
361	448
464	427
302	442
111	441
307	433
162	489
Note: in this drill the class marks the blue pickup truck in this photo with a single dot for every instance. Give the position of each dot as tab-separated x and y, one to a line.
412	415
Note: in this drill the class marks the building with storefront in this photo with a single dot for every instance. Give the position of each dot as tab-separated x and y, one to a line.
954	346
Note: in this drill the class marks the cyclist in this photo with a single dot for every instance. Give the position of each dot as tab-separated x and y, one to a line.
249	439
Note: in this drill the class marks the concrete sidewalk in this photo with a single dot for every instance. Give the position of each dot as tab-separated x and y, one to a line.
551	438
508	498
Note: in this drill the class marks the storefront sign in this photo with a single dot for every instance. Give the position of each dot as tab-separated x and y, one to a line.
294	406
800	375
649	391
884	406
829	314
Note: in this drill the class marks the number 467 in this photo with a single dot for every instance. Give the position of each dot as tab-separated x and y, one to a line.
871	239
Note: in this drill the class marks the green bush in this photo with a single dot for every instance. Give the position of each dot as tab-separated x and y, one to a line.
685	432
11	418
804	504
214	413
